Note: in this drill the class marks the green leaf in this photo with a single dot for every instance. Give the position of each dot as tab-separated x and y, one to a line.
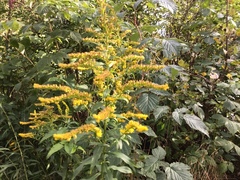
170	47
159	153
196	123
223	167
80	167
230	167
229	105
160	111
237	149
199	111
123	157
178	171
75	36
225	144
136	4
150	132
55	148
122	169
147	102
168	4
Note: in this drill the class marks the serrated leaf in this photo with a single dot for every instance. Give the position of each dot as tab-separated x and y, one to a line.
196	123
159	153
178	171
147	102
122	169
160	111
168	4
55	148
170	47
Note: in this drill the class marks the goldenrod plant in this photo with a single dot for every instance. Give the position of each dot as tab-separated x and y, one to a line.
107	143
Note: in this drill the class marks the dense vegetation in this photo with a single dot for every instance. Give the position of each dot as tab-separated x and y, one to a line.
119	89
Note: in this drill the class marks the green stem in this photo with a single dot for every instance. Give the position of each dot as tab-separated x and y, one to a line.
16	138
104	150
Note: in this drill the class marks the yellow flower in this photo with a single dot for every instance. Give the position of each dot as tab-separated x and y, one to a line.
104	114
73	133
138	115
147	84
79	102
98	132
229	76
133	125
26	135
204	73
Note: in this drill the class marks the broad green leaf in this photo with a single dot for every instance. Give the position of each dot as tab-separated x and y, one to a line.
159	111
122	169
225	144
177	117
229	105
223	167
168	4
230	167
170	47
55	148
147	102
237	149
159	153
199	111
150	132
123	157
233	127
178	171
196	123
75	36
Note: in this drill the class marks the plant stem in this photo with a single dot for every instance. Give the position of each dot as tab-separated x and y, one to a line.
16	138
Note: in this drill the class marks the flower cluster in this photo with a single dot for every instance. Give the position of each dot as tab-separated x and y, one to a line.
147	84
132	126
135	115
26	135
106	113
73	133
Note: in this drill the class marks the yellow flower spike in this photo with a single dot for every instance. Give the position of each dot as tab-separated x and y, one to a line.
104	114
133	125
133	115
26	123
26	135
73	133
147	84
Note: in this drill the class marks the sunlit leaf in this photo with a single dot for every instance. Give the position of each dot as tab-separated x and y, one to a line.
196	123
168	4
178	171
